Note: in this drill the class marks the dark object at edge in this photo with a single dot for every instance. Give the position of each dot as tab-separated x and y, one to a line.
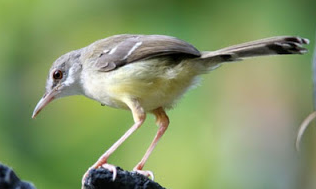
102	178
9	180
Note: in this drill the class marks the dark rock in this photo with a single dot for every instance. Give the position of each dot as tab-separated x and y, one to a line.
9	180
102	178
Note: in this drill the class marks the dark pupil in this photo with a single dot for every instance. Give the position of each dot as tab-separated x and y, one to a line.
58	74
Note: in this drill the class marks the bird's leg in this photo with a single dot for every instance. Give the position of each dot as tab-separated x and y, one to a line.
162	121
139	116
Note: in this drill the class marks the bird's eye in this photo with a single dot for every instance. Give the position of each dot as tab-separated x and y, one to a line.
58	74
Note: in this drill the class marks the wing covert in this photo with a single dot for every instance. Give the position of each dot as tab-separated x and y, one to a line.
120	50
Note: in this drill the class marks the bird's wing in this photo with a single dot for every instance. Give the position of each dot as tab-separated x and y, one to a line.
119	50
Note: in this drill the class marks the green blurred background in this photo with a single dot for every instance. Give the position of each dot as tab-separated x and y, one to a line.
237	130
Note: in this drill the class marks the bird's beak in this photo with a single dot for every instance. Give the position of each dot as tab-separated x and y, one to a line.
47	98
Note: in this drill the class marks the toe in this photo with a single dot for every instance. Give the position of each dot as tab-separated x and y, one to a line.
107	166
85	176
146	173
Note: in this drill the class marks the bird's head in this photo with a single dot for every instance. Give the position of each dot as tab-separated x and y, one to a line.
63	79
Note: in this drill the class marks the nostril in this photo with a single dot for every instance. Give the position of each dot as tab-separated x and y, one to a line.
44	95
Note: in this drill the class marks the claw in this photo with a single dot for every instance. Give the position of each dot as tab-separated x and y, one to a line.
111	168
146	173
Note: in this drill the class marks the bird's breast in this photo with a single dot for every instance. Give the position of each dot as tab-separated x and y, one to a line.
152	82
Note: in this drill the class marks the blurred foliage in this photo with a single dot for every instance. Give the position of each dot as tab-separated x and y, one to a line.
235	131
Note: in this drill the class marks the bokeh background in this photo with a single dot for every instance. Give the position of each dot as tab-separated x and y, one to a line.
237	130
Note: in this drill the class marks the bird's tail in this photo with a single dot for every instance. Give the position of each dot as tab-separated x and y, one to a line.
263	47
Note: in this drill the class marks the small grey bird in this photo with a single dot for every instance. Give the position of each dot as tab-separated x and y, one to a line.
145	74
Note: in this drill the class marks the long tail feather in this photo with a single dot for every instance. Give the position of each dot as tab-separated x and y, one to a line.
263	47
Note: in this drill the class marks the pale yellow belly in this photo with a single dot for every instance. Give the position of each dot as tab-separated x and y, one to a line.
153	84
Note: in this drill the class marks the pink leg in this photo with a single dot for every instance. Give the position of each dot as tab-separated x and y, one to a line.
103	159
139	118
162	121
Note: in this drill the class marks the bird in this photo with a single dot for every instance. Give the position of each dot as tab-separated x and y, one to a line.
146	74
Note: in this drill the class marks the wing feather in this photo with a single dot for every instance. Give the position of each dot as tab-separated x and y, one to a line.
119	50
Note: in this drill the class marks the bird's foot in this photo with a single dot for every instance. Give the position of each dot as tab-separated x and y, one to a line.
145	173
110	167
